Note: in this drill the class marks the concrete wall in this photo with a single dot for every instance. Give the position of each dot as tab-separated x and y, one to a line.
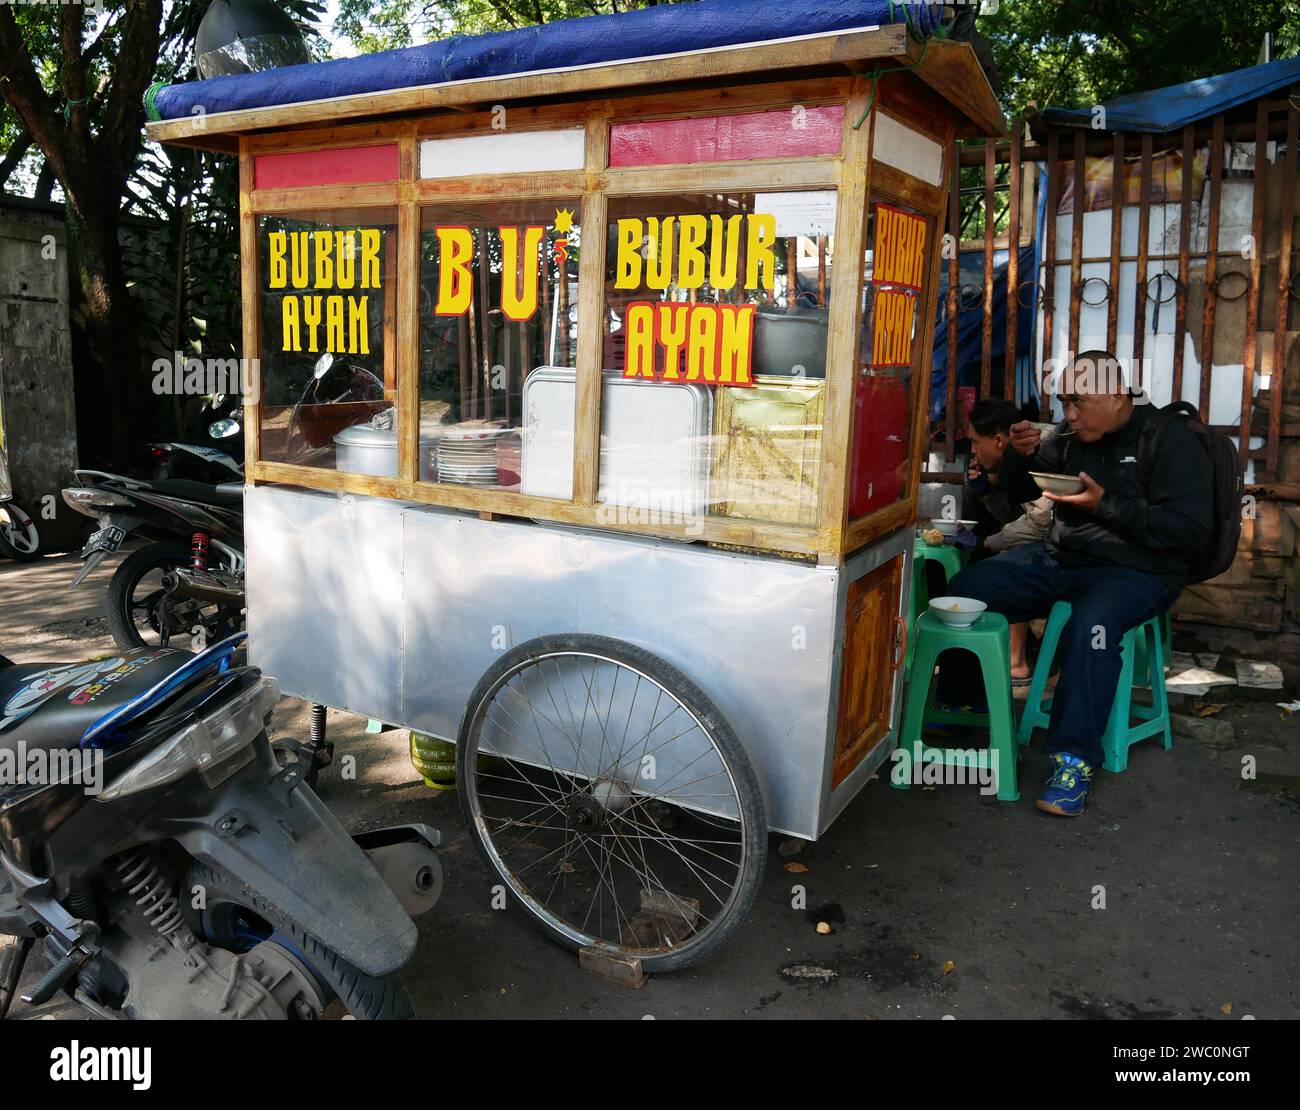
39	414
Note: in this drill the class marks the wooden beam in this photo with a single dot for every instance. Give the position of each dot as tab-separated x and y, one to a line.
1283	302
1250	356
1211	266
844	322
1144	233
1013	264
953	71
250	314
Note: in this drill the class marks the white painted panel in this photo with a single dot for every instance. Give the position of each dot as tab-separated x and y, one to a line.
899	146
1155	375
504	152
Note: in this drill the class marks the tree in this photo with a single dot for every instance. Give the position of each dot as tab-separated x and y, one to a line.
389	24
91	163
1076	53
75	88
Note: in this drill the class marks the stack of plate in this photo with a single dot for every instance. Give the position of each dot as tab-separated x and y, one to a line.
468	456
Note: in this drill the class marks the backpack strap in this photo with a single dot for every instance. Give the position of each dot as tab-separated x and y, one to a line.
1147	441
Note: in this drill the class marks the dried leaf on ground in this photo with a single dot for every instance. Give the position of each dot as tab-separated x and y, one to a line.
1206	708
949	966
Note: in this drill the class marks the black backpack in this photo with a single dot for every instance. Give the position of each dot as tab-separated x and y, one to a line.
1226	477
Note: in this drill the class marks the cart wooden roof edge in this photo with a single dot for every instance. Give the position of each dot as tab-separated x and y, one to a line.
949	69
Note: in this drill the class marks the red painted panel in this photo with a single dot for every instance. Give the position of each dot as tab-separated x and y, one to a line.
787	133
354	165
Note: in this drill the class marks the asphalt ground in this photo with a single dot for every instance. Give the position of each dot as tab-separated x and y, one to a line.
1174	896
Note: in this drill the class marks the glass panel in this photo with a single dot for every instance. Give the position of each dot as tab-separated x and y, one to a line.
890	356
715	356
328	292
498	337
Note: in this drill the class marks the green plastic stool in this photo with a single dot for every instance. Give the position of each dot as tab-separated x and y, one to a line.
989	641
1122	730
948	557
1142	676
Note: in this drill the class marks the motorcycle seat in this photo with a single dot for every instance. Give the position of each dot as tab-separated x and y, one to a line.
51	705
227	495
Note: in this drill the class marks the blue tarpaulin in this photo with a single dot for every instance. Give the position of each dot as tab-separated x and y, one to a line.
1168	109
643	33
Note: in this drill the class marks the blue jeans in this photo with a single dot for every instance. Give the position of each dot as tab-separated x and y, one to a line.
1022	585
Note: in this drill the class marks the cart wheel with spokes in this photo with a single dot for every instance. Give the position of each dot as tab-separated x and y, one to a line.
613	798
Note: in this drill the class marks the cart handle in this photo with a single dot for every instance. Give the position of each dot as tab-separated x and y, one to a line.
900	643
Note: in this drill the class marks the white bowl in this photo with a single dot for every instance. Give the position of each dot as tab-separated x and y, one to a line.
959	612
1064	484
950	527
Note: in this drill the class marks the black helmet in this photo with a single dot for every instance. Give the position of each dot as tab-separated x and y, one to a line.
247	36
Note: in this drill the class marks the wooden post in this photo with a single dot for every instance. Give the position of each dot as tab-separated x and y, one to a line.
990	222
1184	244
1144	233
1250	356
954	302
251	309
1013	262
1211	265
1278	380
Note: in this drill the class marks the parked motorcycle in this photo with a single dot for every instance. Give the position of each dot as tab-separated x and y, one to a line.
189	583
20	539
173	869
213	448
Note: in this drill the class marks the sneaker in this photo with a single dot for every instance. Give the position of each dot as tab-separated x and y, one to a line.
1069	787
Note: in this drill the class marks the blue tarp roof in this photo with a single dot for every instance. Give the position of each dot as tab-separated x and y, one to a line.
1168	109
645	32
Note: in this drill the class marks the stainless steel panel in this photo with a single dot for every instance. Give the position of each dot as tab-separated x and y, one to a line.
395	611
325	596
756	634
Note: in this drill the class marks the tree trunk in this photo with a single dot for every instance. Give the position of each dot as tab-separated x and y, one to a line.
112	389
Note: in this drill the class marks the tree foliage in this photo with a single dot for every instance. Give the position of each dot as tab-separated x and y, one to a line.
373	26
1076	53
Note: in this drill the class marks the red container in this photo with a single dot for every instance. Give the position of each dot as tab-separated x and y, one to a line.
876	471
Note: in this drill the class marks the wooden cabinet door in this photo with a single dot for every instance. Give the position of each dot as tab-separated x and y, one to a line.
870	654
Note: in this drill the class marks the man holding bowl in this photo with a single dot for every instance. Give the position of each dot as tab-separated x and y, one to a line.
1119	550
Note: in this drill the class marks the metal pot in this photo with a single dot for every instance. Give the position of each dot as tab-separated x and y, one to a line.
784	340
365	449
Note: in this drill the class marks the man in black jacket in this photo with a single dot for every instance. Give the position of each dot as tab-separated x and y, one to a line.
1119	551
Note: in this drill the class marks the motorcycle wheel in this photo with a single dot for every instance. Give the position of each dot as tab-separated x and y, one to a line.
127	613
227	900
20	539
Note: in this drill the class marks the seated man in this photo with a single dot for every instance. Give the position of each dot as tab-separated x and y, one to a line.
1120	551
1003	522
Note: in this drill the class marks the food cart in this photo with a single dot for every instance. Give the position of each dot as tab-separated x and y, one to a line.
592	402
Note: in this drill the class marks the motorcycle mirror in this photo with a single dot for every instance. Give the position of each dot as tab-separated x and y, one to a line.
323	365
223	429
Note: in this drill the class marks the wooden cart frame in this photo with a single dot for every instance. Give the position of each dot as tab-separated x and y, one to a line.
936	87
